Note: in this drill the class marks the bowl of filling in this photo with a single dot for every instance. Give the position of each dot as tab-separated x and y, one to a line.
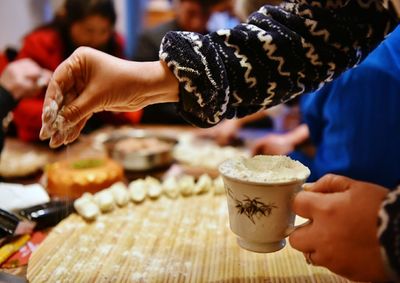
140	150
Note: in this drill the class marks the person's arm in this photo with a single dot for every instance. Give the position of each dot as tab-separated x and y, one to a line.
281	143
280	53
252	118
298	135
91	81
226	131
388	233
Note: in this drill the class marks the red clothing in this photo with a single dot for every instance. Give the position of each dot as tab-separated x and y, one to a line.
3	62
45	47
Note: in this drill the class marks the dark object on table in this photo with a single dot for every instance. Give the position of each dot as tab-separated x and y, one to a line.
11	225
48	214
37	217
138	150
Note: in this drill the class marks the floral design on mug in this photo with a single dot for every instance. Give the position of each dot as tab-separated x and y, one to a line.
252	207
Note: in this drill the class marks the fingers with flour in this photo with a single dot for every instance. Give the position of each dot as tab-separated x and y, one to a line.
62	91
65	135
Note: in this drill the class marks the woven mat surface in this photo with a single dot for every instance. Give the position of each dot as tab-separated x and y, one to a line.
182	240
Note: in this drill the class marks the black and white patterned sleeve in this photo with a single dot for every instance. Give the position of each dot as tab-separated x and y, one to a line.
389	233
281	52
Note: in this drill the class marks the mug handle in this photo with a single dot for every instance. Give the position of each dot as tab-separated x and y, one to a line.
306	187
294	227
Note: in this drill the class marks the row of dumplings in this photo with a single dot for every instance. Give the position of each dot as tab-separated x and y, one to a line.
90	206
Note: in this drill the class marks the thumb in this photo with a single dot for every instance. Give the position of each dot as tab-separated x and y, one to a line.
73	110
329	183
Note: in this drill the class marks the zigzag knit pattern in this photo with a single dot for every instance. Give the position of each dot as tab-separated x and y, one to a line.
389	231
279	53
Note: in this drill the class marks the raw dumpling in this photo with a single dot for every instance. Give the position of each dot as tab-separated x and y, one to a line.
186	185
105	200
170	187
120	193
137	190
219	187
203	185
86	207
154	188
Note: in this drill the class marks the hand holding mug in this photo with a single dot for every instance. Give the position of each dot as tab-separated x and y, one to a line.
343	232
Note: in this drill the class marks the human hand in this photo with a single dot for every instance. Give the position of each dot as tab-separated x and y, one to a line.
223	133
24	78
90	81
343	233
273	144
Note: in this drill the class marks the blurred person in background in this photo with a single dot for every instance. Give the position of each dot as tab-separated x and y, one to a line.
190	15
77	23
19	79
223	16
278	119
243	8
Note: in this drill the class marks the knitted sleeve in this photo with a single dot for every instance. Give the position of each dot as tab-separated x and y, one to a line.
281	52
389	232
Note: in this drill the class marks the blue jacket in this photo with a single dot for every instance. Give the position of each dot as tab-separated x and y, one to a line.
355	120
355	123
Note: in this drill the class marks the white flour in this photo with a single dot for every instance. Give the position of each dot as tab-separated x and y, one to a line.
265	169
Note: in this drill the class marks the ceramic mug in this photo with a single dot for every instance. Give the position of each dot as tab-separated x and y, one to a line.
260	213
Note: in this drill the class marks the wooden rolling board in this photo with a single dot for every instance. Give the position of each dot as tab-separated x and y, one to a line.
183	240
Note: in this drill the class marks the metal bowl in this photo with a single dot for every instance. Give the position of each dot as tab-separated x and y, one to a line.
140	160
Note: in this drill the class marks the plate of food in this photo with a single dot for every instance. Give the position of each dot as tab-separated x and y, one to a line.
19	160
139	150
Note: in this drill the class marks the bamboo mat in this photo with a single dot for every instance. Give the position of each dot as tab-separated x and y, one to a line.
183	240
